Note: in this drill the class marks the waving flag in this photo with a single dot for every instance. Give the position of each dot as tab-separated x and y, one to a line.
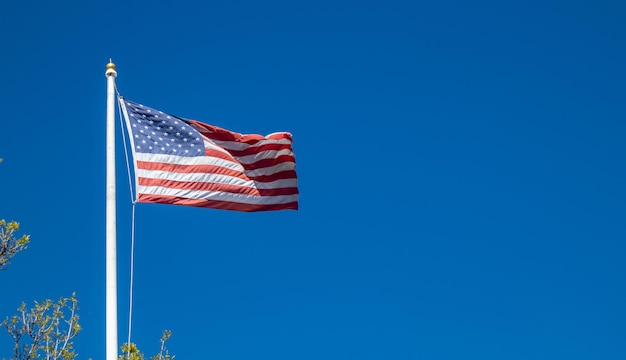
186	162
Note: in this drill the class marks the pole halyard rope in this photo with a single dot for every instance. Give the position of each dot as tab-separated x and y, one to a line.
132	229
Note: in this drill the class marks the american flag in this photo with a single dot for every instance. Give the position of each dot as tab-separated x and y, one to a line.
186	162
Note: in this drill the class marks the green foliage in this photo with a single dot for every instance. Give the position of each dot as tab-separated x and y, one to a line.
9	244
130	351
47	328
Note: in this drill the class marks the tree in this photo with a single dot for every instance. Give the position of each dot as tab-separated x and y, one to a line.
130	351
9	244
48	328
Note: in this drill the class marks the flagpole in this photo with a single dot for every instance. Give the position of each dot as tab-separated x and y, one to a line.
111	227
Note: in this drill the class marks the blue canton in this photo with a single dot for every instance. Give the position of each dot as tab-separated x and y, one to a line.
155	132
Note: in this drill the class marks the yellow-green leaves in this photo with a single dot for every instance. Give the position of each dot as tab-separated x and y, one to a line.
47	329
9	244
131	352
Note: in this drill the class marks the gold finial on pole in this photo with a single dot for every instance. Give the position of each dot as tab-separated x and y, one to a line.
111	69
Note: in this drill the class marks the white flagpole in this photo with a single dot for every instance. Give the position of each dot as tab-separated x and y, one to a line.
111	227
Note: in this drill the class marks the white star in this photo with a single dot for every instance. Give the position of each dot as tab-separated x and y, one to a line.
158	128
177	134
165	134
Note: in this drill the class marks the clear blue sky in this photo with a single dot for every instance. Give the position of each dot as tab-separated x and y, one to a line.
461	169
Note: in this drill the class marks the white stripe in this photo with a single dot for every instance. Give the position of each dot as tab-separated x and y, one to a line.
237	145
211	145
216	179
189	160
210	160
194	177
269	154
220	196
234	145
284	166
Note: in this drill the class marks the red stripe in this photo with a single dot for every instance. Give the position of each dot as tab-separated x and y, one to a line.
254	165
189	169
264	163
287	174
253	150
217	133
216	187
213	169
219	154
224	205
